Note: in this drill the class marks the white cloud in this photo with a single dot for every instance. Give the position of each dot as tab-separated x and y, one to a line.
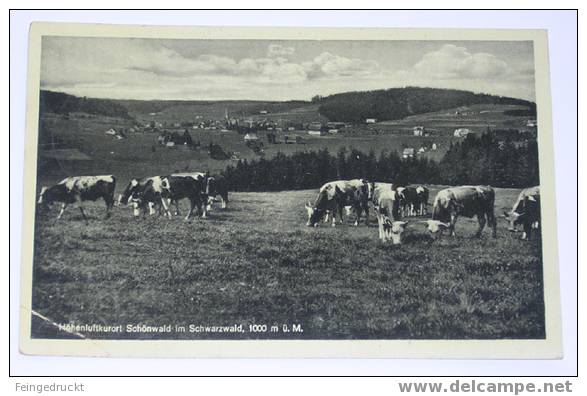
453	62
330	65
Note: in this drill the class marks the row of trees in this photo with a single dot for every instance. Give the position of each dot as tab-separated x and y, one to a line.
61	103
477	160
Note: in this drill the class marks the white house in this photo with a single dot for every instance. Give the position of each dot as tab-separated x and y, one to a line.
408	152
250	137
462	132
316	133
419	130
370	120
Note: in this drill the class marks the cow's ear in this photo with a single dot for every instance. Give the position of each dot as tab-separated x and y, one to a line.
531	198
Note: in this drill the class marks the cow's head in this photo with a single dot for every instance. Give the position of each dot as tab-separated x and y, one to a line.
435	226
48	195
392	229
518	215
315	214
131	188
513	219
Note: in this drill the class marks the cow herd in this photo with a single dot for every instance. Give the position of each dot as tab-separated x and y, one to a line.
390	202
144	194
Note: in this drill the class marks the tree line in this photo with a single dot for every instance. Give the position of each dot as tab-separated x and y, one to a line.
476	160
61	103
398	103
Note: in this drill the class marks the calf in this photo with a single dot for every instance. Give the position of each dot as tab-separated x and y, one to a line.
465	201
76	189
525	212
386	204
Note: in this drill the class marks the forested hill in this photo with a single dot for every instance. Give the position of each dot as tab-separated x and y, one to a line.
397	103
62	103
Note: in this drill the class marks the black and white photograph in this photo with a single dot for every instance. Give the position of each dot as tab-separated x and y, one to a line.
292	185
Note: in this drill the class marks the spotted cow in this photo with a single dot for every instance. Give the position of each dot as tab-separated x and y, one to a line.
467	201
77	189
525	212
334	196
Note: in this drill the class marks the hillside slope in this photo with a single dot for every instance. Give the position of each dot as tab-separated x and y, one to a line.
397	103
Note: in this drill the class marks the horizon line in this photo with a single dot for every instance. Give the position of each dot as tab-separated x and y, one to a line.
284	101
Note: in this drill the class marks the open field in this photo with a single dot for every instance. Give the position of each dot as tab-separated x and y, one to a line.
257	263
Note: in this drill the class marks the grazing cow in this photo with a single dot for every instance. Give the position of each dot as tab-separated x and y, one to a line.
174	188
334	196
386	203
136	187
465	201
525	212
408	200
217	187
76	189
422	200
198	176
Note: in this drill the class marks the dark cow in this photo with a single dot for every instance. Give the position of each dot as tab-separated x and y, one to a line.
76	189
201	177
525	212
217	187
174	188
334	196
413	200
465	201
408	200
422	200
386	203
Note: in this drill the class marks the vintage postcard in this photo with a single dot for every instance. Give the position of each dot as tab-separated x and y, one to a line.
289	192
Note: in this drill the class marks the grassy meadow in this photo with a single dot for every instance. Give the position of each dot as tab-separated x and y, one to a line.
256	263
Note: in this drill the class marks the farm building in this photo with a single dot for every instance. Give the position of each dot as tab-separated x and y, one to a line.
408	152
419	130
316	133
370	120
335	125
251	137
315	126
461	132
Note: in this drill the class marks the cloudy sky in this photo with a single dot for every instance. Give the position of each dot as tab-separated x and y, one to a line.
279	70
